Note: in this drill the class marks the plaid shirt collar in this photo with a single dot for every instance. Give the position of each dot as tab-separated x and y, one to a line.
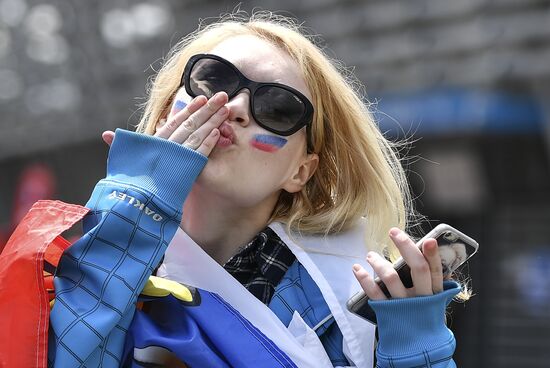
261	264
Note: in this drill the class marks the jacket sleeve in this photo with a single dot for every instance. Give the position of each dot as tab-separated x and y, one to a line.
412	331
135	212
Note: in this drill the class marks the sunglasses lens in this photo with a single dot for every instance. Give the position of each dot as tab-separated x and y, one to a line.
209	76
277	108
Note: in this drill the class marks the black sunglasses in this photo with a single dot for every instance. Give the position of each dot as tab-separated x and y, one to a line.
275	107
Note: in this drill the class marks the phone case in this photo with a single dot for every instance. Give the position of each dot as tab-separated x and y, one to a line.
455	248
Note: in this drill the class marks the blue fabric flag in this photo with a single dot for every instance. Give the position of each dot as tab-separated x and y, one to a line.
206	332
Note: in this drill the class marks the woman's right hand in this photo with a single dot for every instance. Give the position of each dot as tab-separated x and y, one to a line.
195	126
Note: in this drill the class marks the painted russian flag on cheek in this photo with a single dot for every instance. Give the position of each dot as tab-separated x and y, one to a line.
178	106
267	143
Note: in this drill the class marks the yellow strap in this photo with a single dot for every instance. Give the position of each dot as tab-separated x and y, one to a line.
157	286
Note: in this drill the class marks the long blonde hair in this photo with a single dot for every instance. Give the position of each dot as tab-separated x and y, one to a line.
359	172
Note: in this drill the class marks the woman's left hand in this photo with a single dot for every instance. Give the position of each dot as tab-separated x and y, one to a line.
425	267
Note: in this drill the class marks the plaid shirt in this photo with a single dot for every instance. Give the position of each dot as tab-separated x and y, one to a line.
261	264
266	265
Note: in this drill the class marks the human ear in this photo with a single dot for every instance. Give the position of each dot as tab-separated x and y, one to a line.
302	174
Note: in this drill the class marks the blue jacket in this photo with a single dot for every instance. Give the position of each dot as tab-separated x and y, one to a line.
139	201
412	332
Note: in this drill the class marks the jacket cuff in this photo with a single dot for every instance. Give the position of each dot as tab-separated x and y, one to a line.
159	166
412	325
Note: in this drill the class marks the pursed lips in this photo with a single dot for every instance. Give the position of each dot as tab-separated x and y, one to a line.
227	134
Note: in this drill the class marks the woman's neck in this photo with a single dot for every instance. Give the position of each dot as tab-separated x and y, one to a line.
220	227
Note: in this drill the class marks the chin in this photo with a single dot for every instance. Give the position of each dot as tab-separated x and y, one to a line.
211	174
233	190
219	179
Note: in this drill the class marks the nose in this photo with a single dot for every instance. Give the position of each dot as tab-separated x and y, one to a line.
239	108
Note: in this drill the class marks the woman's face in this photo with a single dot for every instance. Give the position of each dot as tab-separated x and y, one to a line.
257	164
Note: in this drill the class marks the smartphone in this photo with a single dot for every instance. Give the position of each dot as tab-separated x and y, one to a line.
455	248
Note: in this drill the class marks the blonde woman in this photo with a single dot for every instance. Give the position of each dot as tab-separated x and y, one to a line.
288	184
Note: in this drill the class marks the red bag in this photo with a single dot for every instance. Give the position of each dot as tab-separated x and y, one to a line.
26	287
